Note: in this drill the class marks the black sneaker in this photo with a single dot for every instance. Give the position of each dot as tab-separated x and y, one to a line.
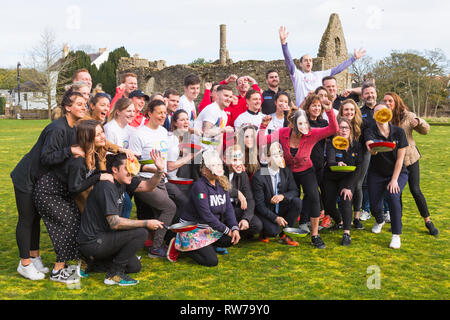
317	242
357	224
346	239
337	226
431	228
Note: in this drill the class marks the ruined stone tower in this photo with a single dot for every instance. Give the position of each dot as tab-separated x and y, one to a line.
333	51
223	53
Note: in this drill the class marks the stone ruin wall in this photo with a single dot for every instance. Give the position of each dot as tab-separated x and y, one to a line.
156	76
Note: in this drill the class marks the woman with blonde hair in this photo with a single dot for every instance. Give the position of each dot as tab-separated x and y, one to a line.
350	110
408	121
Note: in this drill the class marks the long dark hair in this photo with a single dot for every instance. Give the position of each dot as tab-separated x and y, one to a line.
86	140
400	108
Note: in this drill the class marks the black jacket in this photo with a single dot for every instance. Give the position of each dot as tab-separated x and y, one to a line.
263	191
241	182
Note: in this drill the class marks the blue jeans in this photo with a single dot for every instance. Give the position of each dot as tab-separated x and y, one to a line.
378	191
127	206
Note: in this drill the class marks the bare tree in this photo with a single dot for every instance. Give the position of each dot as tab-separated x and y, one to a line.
46	61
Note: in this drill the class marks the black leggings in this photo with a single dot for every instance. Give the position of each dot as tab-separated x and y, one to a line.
307	181
414	187
28	228
207	256
332	190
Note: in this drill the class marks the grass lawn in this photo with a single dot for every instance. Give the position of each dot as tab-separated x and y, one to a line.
253	270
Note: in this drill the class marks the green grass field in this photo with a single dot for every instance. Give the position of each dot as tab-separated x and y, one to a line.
257	271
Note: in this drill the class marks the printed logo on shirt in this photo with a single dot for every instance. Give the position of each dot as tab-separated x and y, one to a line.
201	196
125	144
220	123
217	200
267	97
339	155
364	115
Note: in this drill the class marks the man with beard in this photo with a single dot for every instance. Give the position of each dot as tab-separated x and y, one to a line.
272	80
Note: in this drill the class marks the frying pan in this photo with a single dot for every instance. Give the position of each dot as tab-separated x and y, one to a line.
182	226
343	168
382	146
296	231
210	141
181	181
149	161
191	146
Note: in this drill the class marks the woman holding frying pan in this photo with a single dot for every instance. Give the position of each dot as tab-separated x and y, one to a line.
341	171
387	175
408	121
212	211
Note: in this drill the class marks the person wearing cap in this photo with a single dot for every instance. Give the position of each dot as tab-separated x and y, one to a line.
139	99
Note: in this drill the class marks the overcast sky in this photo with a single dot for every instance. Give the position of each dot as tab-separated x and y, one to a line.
180	31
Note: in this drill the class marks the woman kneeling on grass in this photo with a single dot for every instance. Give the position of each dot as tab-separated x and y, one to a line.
214	213
341	182
387	172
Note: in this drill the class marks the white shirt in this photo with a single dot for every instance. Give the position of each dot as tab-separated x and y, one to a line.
306	82
325	117
275	123
248	118
189	107
173	154
118	135
213	114
145	140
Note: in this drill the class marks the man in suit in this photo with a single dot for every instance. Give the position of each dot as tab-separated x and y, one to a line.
277	198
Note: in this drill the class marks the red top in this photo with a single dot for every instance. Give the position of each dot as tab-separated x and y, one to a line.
302	160
234	110
119	94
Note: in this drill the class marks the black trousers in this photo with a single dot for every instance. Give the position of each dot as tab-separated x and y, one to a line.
289	210
28	227
255	224
207	256
307	182
119	247
333	188
414	187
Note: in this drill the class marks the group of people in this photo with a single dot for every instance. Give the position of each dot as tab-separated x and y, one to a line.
234	167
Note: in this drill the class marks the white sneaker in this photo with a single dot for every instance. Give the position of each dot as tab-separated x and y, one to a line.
364	215
377	227
395	242
39	265
30	272
387	217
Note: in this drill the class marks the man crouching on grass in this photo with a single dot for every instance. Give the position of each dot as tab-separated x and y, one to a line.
104	235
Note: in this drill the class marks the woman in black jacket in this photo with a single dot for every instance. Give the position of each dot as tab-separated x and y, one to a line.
341	183
241	193
53	147
54	194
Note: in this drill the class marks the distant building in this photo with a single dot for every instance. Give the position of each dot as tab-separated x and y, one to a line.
31	96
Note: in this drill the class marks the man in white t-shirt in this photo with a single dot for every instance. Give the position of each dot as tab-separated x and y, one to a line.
252	115
213	119
306	80
191	92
